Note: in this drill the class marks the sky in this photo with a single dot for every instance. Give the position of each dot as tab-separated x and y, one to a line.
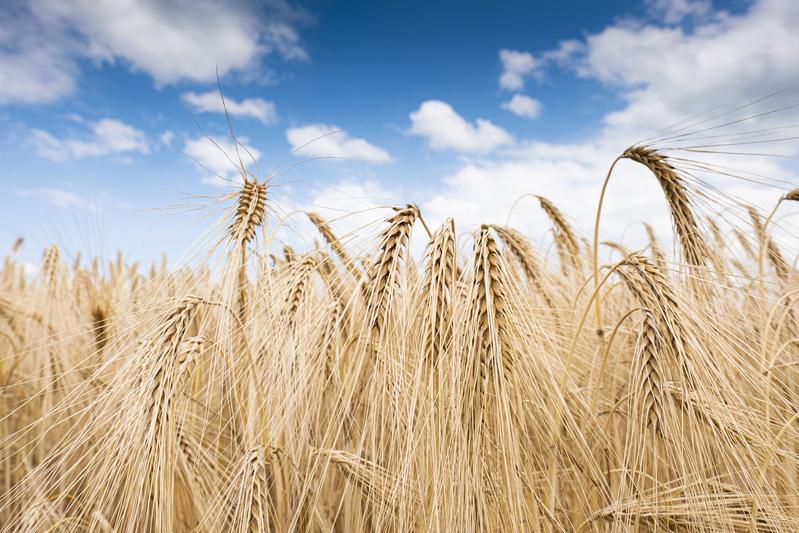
466	108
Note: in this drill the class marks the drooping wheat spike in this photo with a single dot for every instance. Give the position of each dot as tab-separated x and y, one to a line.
694	248
746	246
334	244
375	482
299	286
330	276
771	251
617	247
521	249
438	287
654	247
289	254
715	231
565	240
792	195
384	271
654	292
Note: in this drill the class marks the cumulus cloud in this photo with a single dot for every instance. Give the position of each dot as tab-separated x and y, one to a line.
211	102
693	68
218	159
445	129
663	73
516	66
323	140
523	106
43	43
106	136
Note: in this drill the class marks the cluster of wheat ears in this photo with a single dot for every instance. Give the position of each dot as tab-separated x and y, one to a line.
486	389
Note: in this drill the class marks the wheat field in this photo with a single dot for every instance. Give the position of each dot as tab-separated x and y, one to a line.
481	385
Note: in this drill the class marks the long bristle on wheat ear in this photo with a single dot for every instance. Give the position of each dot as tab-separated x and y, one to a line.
693	246
250	211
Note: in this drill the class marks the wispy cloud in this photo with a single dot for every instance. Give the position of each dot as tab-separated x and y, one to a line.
166	137
59	198
106	136
211	102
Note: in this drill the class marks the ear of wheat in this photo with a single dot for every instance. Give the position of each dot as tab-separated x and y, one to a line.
673	185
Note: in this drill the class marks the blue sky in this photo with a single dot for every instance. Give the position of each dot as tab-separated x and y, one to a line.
461	107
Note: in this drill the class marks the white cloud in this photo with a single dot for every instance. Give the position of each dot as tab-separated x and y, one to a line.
678	72
663	74
59	198
523	106
106	136
166	137
43	43
33	68
516	66
323	140
446	129
218	159
211	102
286	39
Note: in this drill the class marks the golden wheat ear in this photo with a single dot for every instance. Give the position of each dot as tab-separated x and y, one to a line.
334	243
565	239
437	292
384	271
250	211
692	242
